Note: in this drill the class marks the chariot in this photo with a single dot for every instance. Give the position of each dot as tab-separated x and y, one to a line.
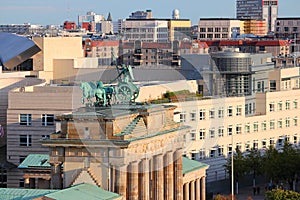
124	91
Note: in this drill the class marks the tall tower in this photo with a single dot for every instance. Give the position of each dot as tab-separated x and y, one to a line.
175	14
258	9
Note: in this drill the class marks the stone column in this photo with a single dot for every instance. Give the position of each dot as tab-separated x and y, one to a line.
133	185
192	190
144	190
112	180
168	176
186	191
197	189
203	188
121	180
158	177
56	180
178	190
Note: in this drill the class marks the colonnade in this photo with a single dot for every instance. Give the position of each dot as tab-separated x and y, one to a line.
158	177
194	190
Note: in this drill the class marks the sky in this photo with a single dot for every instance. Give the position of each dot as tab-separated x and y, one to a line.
57	11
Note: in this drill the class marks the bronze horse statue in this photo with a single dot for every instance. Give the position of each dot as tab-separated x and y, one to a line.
89	91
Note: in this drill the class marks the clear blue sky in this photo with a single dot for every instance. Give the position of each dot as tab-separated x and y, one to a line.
57	11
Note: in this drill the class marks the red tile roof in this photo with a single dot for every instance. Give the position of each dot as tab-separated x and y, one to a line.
96	43
156	45
247	42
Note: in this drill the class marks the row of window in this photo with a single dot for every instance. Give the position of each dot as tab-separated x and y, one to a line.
26	119
213	133
211	29
26	140
280	104
219	151
202	35
287	29
212	113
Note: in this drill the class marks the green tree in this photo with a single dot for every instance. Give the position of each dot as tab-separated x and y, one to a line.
239	166
289	161
271	164
253	163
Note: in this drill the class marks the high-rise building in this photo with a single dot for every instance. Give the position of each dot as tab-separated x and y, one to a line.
258	9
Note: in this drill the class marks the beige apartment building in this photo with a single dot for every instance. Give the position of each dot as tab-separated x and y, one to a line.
31	118
216	122
157	30
219	28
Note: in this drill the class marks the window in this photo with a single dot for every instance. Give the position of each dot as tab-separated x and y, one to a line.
279	106
212	114
272	124
21	159
279	123
229	111
224	29
238	110
221	151
21	183
212	133
247	128
295	139
202	153
295	104
264	126
287	105
239	146
272	107
272	141
221	113
287	122
44	137
193	156
193	135
229	130
25	140
212	153
255	144
264	144
202	134
224	35
246	109
295	121
229	149
210	36
280	141
210	29
221	131
287	138
25	119
202	29
259	83
202	35
202	115
182	117
217	29
255	127
247	146
286	29
193	116
47	119
238	129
